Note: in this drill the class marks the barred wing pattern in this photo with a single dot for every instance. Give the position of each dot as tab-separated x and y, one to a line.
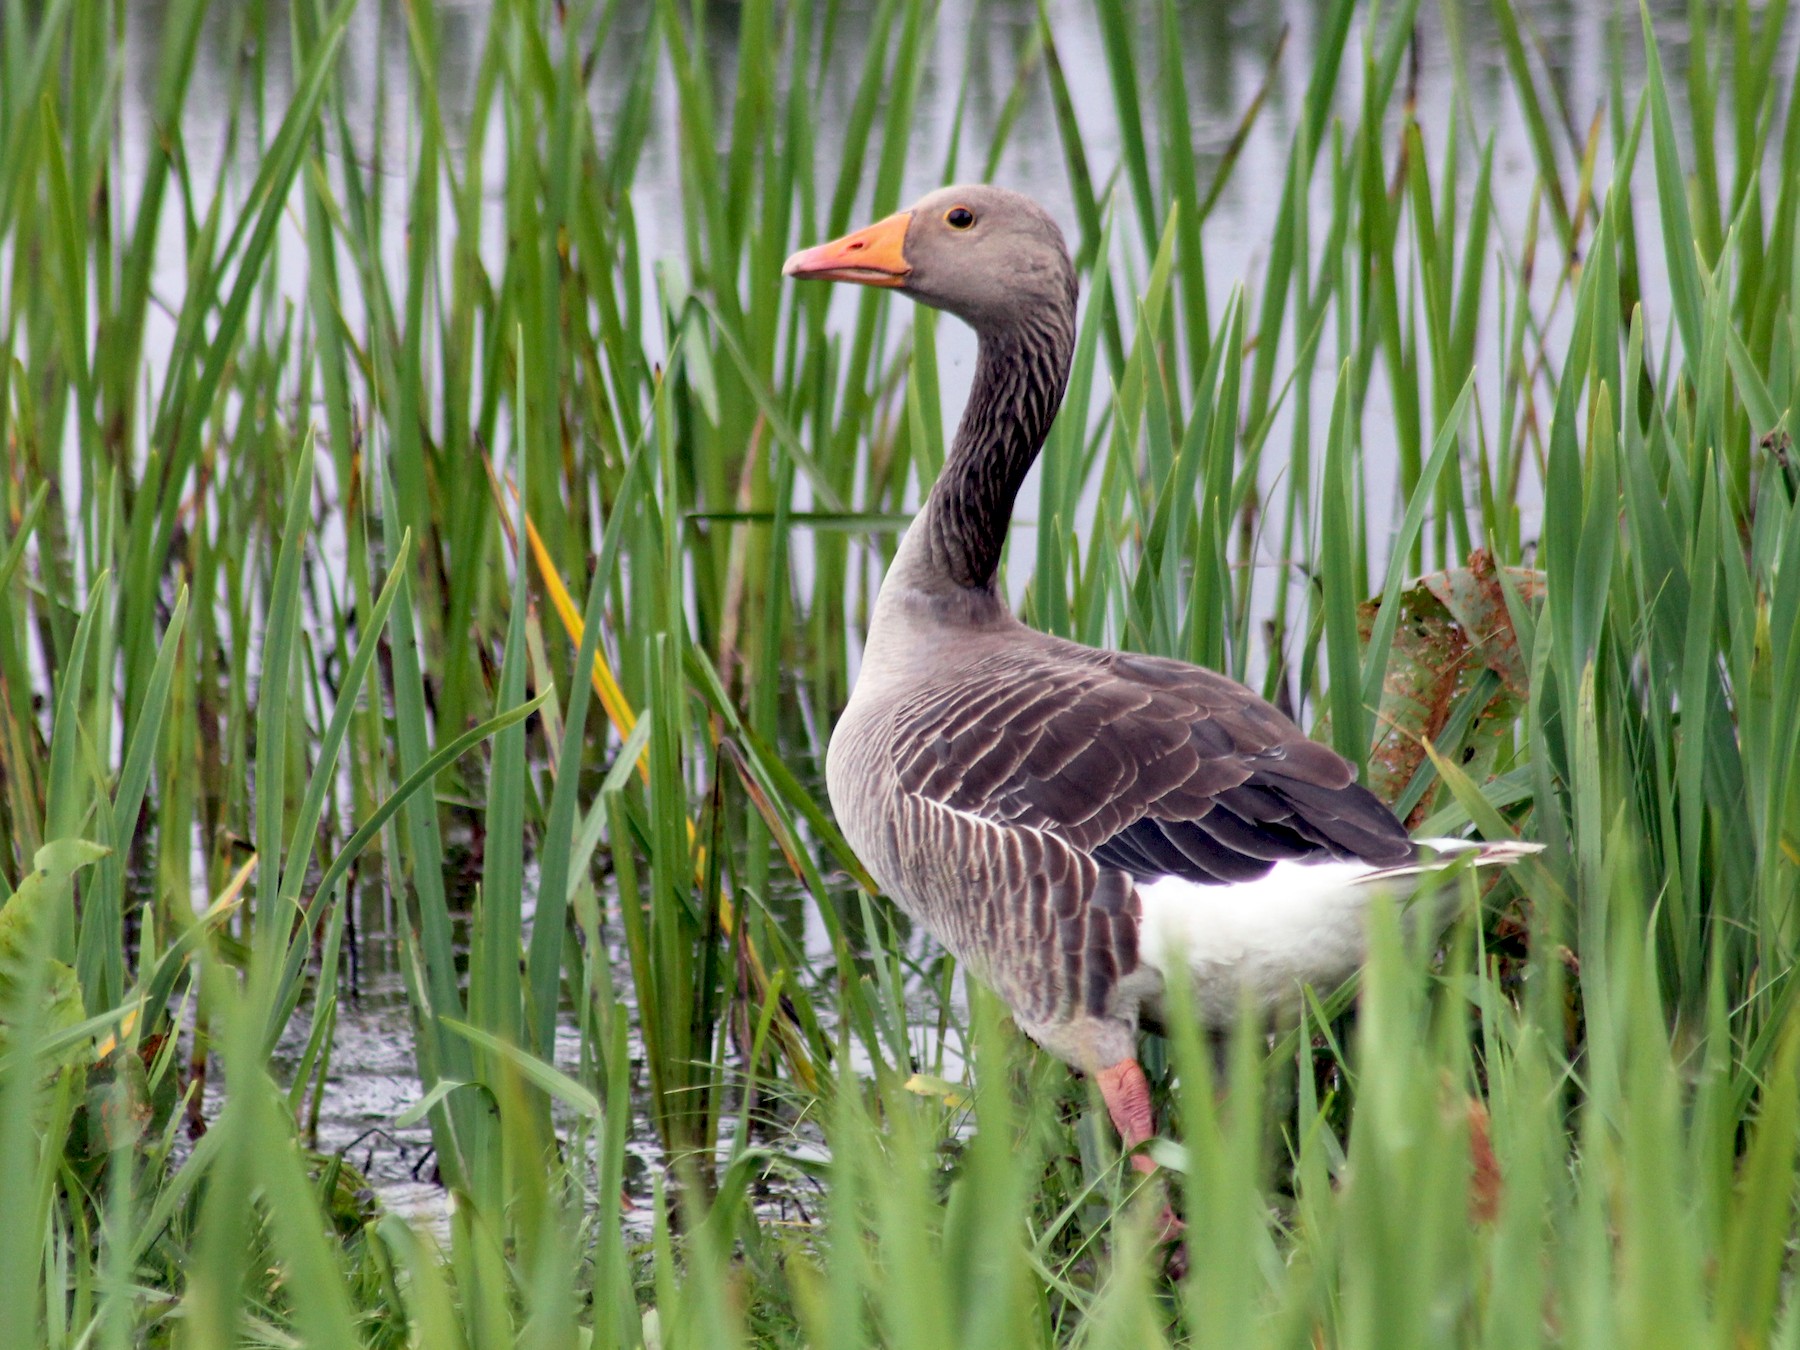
1150	766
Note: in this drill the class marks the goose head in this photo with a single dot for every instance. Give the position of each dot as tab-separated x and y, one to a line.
988	255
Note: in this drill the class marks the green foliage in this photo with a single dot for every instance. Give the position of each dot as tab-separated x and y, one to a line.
281	649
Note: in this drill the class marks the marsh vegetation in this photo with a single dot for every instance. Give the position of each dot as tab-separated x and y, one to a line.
434	543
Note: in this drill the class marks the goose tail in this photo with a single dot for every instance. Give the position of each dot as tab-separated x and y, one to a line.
1447	853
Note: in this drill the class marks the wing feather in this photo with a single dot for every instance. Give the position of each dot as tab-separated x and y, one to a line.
1153	767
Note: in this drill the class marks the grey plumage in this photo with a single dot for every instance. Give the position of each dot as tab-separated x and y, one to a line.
1011	790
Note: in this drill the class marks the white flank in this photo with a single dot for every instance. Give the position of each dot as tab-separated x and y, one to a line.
1303	923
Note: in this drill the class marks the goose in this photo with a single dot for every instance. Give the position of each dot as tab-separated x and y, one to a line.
1078	827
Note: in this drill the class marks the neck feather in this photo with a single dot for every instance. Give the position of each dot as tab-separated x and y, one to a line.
1020	376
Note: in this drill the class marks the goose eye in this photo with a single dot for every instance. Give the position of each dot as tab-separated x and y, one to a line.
959	218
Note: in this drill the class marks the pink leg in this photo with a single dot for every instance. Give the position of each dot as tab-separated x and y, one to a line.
1127	1096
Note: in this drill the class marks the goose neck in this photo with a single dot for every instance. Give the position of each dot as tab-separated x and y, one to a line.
1020	375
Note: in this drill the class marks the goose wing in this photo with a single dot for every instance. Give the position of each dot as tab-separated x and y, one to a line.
1151	766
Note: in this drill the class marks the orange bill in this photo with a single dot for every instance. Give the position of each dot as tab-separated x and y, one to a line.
872	256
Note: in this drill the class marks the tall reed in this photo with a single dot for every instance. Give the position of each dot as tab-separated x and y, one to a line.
390	504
